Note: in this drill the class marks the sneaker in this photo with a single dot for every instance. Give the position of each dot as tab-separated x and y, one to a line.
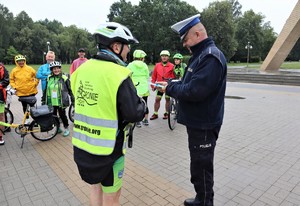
138	124
145	122
165	116
66	133
154	116
2	142
59	131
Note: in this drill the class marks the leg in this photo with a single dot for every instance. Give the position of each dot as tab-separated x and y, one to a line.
202	145
24	106
112	185
96	195
157	104
147	110
98	198
63	116
167	104
55	109
112	199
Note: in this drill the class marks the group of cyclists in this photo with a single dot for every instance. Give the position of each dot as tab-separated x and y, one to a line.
163	71
56	89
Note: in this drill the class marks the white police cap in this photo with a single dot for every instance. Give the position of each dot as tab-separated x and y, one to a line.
184	26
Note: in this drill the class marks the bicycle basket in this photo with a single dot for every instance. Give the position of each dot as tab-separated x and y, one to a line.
43	115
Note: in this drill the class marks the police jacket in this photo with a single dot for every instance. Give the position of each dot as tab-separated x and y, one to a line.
202	90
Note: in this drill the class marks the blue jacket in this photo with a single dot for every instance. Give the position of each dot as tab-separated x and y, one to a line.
42	74
201	92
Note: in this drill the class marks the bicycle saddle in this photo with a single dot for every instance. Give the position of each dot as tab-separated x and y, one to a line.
28	100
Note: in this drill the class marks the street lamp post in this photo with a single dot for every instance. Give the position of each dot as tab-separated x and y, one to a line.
248	47
44	54
48	45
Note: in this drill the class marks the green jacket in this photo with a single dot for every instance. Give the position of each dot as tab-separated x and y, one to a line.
140	77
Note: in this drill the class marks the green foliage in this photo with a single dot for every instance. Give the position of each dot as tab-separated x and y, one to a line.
150	23
11	53
219	22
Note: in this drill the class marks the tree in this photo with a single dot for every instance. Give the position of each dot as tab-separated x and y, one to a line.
6	21
219	23
11	53
268	39
249	29
150	23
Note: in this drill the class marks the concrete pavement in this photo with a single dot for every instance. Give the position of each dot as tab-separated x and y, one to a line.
257	160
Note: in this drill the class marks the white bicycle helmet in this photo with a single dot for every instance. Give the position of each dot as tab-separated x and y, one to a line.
110	32
54	64
165	53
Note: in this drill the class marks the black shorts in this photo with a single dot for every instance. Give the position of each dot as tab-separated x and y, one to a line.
95	169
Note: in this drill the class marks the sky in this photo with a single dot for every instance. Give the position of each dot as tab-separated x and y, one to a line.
90	13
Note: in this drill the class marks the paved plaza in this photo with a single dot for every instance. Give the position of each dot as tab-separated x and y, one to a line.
257	159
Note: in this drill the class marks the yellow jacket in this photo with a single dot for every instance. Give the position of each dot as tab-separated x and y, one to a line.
24	80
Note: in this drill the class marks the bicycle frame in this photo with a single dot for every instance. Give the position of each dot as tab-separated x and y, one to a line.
23	129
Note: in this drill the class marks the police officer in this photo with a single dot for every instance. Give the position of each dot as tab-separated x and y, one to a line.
201	104
105	102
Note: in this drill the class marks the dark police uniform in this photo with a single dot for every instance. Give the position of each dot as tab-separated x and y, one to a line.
201	108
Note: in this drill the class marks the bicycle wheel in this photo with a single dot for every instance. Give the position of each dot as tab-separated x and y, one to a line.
172	114
9	118
38	133
71	112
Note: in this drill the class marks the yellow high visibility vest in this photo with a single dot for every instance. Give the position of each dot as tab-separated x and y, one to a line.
95	86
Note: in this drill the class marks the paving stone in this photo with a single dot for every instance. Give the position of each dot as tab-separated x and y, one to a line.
257	159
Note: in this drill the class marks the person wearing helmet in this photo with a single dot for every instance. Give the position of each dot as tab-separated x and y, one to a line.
106	102
163	71
80	60
57	92
4	82
23	80
140	78
179	66
44	70
201	96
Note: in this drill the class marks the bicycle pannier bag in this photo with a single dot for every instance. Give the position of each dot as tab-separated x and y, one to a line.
43	115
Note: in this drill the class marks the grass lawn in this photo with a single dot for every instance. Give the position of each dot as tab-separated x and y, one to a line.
65	67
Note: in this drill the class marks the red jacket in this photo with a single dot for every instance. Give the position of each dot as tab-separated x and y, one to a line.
162	73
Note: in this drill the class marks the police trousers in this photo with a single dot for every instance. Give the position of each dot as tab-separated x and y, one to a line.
202	147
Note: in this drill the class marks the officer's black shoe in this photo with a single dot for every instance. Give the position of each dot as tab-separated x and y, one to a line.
189	202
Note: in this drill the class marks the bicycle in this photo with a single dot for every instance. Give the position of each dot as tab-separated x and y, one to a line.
8	115
37	130
172	113
172	110
71	112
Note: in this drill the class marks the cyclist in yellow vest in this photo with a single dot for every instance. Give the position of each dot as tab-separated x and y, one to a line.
105	102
